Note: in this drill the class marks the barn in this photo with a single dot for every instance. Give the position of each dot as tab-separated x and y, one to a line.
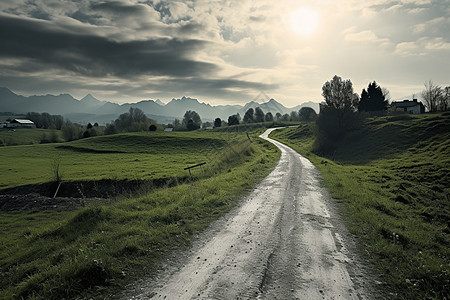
21	123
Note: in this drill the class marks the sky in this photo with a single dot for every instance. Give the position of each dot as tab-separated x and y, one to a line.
221	51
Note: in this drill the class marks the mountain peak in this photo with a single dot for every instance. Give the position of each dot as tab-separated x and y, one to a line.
160	102
91	100
88	97
6	91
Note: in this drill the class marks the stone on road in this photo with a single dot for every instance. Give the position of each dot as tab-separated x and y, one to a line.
285	241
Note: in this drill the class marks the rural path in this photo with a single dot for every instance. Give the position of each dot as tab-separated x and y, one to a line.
286	241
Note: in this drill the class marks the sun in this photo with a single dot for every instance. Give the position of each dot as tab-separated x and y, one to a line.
304	21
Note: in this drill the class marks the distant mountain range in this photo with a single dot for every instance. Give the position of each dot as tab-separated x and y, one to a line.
90	109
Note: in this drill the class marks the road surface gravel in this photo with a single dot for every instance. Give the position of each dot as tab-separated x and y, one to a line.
285	241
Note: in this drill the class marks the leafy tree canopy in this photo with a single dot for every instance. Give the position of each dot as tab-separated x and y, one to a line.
339	94
249	116
191	120
259	115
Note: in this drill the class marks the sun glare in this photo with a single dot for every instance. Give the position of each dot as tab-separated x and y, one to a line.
304	21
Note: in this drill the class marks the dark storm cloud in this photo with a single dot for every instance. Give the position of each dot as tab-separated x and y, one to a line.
92	55
118	8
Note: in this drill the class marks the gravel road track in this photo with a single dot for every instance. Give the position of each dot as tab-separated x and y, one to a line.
285	241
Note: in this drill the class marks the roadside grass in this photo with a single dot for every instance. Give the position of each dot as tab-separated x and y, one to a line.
132	156
393	178
97	250
27	136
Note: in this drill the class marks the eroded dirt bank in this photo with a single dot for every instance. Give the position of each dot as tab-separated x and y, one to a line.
286	241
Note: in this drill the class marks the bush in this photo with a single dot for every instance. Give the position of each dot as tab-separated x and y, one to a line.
110	129
72	132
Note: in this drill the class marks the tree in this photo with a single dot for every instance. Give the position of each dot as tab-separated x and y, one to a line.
191	120
444	103
339	94
207	124
234	119
268	117
431	96
337	115
278	116
386	94
132	121
294	116
89	126
307	114
259	115
373	99
177	124
110	129
249	116
72	131
285	118
45	120
217	122
152	128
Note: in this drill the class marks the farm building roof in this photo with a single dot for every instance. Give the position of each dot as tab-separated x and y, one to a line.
22	121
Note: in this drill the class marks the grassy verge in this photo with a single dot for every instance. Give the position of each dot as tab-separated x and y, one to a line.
393	178
96	250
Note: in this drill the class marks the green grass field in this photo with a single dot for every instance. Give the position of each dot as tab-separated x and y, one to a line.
134	156
25	136
96	250
392	177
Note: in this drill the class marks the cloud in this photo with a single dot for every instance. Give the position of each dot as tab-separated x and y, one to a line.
432	26
363	36
209	47
423	46
417	10
437	44
407	49
91	55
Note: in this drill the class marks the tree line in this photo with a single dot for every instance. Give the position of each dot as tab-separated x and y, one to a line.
343	109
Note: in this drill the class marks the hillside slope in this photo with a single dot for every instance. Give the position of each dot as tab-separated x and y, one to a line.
392	177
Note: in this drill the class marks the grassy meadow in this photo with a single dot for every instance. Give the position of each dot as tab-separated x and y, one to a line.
96	250
26	136
392	177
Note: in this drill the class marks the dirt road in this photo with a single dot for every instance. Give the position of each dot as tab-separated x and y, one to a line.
285	241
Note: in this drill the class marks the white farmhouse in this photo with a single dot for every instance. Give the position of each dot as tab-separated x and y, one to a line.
412	107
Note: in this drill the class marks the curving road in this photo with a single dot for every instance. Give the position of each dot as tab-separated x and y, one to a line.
286	241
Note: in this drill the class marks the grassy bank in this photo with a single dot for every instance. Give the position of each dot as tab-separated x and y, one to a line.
392	177
96	250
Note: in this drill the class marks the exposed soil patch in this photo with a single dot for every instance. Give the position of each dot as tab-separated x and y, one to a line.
75	194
